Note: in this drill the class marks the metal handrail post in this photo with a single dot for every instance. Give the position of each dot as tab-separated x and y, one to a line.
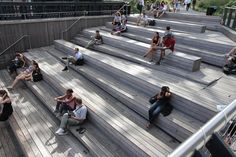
198	139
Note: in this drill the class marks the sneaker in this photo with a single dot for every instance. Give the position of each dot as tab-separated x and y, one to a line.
65	69
63	57
61	132
158	63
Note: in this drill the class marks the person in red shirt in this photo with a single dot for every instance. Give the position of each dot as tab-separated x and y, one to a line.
168	43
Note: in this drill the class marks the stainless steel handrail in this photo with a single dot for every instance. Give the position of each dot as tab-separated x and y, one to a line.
17	41
198	139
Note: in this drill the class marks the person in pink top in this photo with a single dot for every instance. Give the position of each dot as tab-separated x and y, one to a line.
65	102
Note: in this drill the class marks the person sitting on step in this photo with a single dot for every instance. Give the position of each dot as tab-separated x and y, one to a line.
161	100
121	29
18	62
65	102
6	109
168	44
96	40
231	57
77	117
142	19
155	45
162	9
77	59
26	75
117	20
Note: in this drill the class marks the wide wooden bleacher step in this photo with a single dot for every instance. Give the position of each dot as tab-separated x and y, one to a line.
9	146
175	24
209	74
195	40
177	124
206	56
93	139
123	131
149	84
35	128
177	59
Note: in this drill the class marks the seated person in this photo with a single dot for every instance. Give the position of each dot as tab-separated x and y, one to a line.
77	59
168	43
5	106
162	99
231	57
163	8
154	8
65	102
117	20
121	29
143	19
155	44
18	62
26	75
97	39
168	31
123	18
230	132
77	117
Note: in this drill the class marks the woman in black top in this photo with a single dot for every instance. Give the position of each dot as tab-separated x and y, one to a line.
18	62
162	99
6	108
154	46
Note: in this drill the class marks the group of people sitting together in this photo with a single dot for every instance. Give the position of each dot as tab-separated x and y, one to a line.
30	73
72	110
119	23
162	44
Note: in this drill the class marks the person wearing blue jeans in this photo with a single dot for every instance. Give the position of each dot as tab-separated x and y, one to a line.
162	99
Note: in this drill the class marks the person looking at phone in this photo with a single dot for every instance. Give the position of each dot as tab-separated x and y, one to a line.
76	117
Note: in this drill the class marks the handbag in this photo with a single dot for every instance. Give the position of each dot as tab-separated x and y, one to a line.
153	99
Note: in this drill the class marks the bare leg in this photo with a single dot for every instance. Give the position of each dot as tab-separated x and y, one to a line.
161	56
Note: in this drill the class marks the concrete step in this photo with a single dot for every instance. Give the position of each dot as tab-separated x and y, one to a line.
205	41
123	131
177	124
175	25
206	56
177	59
149	84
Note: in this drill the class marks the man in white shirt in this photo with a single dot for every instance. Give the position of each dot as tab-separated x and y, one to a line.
77	59
75	118
142	19
187	3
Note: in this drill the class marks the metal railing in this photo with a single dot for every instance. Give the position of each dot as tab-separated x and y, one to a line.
199	139
16	42
229	17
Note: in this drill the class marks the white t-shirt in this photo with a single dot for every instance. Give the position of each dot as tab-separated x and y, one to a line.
187	1
164	8
141	2
80	112
78	55
144	17
117	18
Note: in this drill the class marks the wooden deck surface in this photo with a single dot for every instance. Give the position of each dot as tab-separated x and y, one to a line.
38	127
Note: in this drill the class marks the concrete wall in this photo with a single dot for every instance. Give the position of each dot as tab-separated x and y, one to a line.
42	32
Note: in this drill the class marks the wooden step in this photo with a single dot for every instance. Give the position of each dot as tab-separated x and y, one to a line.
127	111
177	124
35	126
175	25
209	75
124	132
206	56
204	41
150	81
177	59
92	138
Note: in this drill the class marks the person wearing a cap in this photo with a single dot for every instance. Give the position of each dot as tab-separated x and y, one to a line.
168	43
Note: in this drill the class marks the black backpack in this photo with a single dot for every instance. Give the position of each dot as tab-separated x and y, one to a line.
167	109
37	76
80	62
152	23
229	69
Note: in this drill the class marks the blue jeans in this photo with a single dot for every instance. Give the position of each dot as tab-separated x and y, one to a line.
155	109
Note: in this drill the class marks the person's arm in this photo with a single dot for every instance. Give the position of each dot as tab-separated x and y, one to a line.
60	97
6	100
76	118
23	60
72	98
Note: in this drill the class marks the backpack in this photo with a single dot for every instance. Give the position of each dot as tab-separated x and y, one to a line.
229	69
37	76
152	23
167	109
